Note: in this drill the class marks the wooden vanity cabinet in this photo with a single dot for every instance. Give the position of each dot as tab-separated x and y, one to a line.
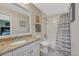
32	49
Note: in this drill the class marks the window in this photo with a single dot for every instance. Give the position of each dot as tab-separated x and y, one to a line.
4	24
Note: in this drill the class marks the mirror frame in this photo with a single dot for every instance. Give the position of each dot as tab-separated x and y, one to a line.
29	12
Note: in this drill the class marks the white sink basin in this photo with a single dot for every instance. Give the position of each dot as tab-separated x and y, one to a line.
45	43
19	42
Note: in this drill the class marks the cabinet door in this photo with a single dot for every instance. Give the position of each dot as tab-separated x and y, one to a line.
7	54
19	51
34	50
28	50
27	54
37	48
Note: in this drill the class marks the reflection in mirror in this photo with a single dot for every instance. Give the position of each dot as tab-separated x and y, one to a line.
4	24
38	27
23	24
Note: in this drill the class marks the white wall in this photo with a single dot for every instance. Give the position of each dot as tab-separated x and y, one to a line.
44	27
52	26
75	33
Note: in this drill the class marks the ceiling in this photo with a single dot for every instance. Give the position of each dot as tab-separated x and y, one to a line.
53	8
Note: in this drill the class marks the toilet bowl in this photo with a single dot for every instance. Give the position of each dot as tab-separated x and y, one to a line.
45	43
44	47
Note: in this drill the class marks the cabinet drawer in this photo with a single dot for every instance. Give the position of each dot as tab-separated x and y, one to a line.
7	54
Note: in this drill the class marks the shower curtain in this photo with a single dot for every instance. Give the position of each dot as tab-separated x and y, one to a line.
63	39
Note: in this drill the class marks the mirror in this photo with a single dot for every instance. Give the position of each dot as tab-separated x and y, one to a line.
14	20
4	24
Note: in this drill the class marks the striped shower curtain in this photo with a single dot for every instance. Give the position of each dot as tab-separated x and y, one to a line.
63	40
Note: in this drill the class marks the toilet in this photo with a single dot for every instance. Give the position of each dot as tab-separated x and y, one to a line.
44	45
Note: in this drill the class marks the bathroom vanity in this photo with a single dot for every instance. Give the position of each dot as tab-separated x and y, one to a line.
19	41
29	48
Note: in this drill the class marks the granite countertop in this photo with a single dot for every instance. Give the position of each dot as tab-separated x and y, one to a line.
8	47
14	35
